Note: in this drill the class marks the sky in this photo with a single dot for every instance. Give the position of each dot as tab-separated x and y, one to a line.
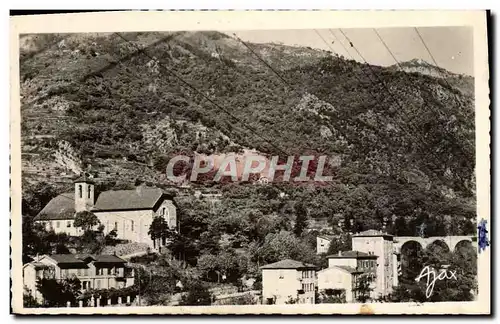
451	47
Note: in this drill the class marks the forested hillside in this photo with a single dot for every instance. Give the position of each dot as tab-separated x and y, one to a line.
405	140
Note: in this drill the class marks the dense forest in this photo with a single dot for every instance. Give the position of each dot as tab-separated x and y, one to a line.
120	109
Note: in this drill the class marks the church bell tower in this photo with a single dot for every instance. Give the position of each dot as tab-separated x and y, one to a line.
84	193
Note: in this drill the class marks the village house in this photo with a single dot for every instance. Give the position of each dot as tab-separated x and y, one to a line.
93	271
344	270
288	280
382	245
128	212
323	243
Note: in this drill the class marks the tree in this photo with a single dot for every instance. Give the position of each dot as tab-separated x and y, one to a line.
159	231
110	238
339	244
362	288
282	245
300	219
86	220
28	299
225	264
57	293
197	294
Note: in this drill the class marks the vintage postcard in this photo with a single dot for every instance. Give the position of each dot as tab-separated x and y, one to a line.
197	162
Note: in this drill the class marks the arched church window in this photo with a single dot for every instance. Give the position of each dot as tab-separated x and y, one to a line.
88	191
80	190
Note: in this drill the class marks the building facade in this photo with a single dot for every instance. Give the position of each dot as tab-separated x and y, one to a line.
344	269
94	272
339	278
288	280
382	245
323	243
131	212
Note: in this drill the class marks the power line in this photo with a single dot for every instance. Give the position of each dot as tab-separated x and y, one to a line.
341	44
300	91
425	45
187	84
444	79
389	92
387	48
387	89
263	61
366	74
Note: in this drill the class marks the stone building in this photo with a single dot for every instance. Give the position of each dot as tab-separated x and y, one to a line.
129	212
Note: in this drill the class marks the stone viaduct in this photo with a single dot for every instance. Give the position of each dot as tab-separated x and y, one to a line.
450	241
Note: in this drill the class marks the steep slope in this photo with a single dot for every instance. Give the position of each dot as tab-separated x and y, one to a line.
91	102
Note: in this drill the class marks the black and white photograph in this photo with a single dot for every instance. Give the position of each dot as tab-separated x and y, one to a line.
322	169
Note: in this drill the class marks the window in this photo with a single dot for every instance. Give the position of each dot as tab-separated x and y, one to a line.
116	226
281	275
88	191
98	284
58	224
80	190
79	272
84	284
68	224
132	226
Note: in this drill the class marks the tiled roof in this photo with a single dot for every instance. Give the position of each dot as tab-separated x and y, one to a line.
60	207
326	237
78	259
139	198
108	258
62	259
372	232
352	254
288	264
84	257
349	269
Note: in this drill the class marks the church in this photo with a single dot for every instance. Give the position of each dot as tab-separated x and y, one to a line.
129	212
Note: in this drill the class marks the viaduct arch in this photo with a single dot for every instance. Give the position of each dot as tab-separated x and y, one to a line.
450	241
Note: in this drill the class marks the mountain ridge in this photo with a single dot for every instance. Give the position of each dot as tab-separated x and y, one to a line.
125	122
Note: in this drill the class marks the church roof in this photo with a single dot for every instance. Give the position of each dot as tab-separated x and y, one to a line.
288	264
60	207
139	198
